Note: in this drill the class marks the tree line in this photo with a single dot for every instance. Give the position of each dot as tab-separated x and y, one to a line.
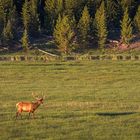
74	24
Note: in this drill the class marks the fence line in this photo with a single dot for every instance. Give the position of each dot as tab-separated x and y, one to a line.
69	58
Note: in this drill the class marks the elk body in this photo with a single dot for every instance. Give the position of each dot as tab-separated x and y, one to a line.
29	107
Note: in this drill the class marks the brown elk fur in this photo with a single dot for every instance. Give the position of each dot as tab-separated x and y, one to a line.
29	107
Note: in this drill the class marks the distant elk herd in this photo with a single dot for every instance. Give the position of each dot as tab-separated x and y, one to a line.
29	107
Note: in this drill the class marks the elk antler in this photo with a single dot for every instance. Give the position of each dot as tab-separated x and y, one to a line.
35	96
43	96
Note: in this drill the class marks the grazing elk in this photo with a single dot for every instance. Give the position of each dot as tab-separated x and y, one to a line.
29	107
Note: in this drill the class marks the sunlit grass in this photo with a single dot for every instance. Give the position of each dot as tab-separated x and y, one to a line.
84	100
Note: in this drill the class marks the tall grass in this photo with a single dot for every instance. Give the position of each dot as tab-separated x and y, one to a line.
84	100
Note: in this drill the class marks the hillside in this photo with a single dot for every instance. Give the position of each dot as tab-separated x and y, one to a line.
70	26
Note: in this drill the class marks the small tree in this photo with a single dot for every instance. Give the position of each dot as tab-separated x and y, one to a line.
127	3
25	40
126	28
137	20
34	18
8	32
2	16
64	34
53	8
101	26
7	21
84	28
26	15
73	7
5	8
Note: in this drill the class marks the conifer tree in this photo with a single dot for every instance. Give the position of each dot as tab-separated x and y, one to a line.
64	34
73	7
84	28
50	15
111	8
101	26
127	3
2	16
25	40
5	7
137	20
13	17
34	18
53	9
59	6
26	23
126	28
8	32
26	15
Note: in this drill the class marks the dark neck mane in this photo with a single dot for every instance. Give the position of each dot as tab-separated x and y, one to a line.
36	104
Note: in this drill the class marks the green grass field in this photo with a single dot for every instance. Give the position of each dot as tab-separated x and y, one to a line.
89	100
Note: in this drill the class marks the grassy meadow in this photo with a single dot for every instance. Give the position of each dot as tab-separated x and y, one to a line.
85	100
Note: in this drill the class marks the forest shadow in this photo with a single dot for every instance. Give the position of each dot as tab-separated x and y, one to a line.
115	113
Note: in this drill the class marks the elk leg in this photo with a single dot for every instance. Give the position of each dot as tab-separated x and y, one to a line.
17	114
29	115
20	116
33	115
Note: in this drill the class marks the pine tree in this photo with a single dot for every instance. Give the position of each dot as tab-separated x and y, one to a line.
50	15
137	20
101	26
34	18
59	6
25	40
8	32
7	20
126	28
26	15
112	11
53	8
64	34
127	3
26	22
2	16
73	7
84	28
14	21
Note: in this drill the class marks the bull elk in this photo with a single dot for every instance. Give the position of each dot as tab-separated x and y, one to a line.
29	107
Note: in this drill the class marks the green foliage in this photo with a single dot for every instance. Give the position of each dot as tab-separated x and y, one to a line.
53	9
101	26
137	19
50	14
74	7
111	8
1	17
70	6
26	15
41	15
5	9
8	31
34	18
64	34
84	28
25	41
127	4
30	21
7	21
126	28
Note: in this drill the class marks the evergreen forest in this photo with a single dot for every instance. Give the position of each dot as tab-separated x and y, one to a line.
72	25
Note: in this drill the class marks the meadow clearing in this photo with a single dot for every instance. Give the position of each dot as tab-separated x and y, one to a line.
85	100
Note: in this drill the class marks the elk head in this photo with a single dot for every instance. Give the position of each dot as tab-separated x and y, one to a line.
39	99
